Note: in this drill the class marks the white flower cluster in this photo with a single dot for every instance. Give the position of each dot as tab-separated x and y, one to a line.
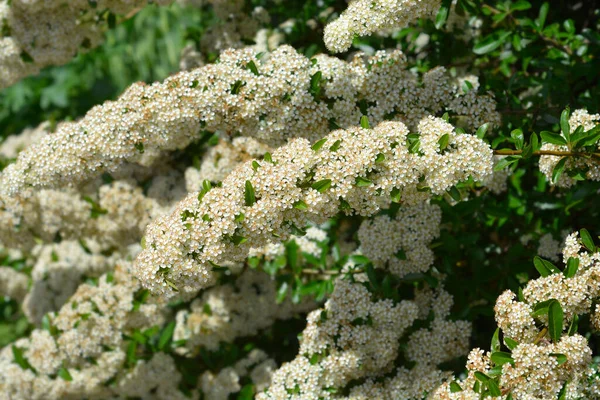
549	247
442	341
356	170
234	27
364	17
83	349
400	244
38	33
279	97
13	283
350	338
227	312
114	214
591	167
221	159
356	338
497	182
256	365
535	373
538	369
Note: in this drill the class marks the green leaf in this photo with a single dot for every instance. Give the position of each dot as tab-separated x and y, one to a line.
372	276
481	376
237	85
558	169
535	142
574	325
206	186
364	122
564	124
518	138
541	19
247	392
239	217
591	137
166	334
237	240
587	240
442	14
572	267
482	130
319	144
491	42
443	141
496	341
268	158
362	182
249	195
380	158
132	352
20	358
400	254
562	394
554	138
494	389
510	343
395	195
544	267
501	358
560	358
64	373
455	387
252	67
322	185
336	145
315	85
520	5
555	320
255	165
300	205
505	162
281	293
455	193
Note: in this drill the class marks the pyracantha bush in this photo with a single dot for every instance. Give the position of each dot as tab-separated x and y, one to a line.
236	199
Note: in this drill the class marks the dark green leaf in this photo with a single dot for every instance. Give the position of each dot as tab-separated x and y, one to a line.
554	138
587	240
442	14
455	387
249	195
510	343
482	130
336	145
322	185
252	67
362	182
564	124
64	373
443	141
491	42
165	336
558	169
494	389
574	325
496	340
501	358
555	320
518	138
560	358
572	267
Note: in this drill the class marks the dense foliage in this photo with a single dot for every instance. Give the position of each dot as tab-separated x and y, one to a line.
255	225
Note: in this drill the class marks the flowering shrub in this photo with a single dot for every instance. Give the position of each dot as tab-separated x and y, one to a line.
389	199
